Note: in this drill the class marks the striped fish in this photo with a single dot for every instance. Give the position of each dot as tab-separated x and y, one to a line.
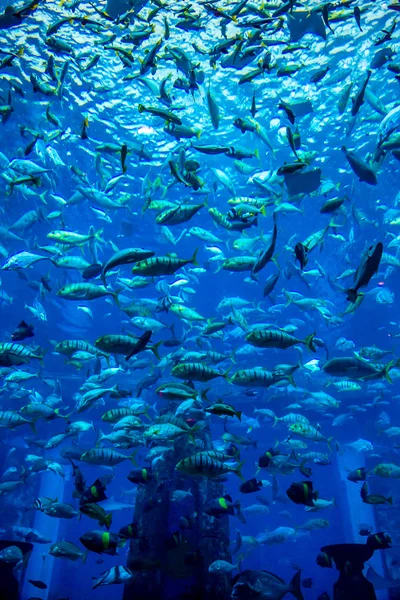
196	372
205	466
106	457
276	338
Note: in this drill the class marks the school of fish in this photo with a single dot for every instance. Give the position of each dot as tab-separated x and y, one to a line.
199	233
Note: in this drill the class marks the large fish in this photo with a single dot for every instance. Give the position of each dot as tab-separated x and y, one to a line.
367	268
264	585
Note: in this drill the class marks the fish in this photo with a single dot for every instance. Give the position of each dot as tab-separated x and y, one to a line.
124	257
373	498
302	493
115	575
105	456
221	567
102	542
368	267
358	475
67	550
265	585
206	466
362	169
22	332
97	512
379	582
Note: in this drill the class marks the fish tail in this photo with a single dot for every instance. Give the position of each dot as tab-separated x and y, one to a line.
387	368
203	394
389	500
97	235
309	342
132	457
328	441
193	260
108	520
351	295
239	413
66	417
226	375
295	586
100	436
289	298
84	556
115	298
233	353
154	349
195	428
238	470
240	514
291	380
274	259
306	471
74	467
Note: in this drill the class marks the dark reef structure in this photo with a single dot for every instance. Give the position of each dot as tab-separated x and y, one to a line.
170	558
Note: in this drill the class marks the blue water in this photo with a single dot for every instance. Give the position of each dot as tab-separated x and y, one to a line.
113	117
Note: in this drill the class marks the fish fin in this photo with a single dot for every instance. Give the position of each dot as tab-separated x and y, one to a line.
67	416
132	457
100	436
240	514
289	298
108	520
309	342
291	380
351	295
154	349
238	470
193	260
203	394
225	375
387	368
115	297
306	471
295	586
